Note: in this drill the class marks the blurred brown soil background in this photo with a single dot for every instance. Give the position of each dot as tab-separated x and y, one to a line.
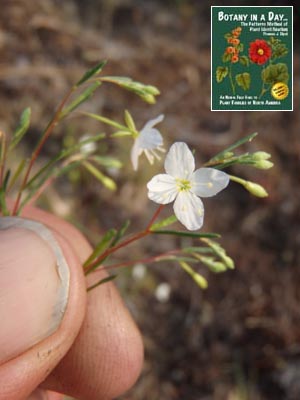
240	339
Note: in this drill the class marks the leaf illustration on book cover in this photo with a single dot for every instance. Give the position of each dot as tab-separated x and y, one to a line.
279	48
221	73
275	73
243	80
244	60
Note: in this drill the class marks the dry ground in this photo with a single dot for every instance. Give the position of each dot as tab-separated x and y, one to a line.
240	339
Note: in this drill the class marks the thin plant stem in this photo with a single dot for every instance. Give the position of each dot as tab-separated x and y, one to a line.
126	242
145	260
155	215
39	146
231	80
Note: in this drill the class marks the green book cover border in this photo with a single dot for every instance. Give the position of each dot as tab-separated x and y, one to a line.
218	45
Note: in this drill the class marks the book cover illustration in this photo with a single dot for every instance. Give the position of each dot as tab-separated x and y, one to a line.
252	58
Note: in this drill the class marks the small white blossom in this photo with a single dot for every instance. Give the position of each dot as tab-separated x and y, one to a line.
89	147
163	292
185	185
148	141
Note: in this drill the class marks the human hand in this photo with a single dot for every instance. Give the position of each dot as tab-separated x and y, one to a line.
93	351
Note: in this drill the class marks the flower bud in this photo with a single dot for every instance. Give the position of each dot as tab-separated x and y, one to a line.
260	155
228	261
255	189
152	90
200	280
263	164
148	98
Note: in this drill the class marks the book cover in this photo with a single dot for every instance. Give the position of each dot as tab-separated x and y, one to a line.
252	58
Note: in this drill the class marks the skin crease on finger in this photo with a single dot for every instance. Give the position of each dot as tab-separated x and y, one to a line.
107	356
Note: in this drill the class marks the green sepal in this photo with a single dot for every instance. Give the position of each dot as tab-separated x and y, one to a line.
129	121
91	72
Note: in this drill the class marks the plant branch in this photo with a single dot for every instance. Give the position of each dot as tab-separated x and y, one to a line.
39	146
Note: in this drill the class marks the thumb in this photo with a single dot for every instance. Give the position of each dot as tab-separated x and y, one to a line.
39	277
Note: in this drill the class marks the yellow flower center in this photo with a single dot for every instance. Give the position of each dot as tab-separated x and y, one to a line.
183	185
260	52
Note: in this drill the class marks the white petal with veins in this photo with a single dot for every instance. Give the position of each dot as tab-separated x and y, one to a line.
207	182
162	189
179	161
189	210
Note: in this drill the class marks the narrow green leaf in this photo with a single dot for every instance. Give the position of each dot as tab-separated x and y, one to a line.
84	96
117	237
165	222
102	245
106	121
197	249
186	234
17	173
236	144
52	172
3	207
104	280
21	129
42	173
175	258
91	72
121	232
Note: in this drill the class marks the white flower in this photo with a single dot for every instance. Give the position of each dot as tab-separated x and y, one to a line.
89	147
148	141
185	185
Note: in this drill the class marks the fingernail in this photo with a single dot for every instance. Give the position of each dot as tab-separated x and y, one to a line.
34	285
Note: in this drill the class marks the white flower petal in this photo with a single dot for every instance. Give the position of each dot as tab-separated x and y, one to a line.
136	151
150	139
189	210
207	182
153	122
179	161
162	189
